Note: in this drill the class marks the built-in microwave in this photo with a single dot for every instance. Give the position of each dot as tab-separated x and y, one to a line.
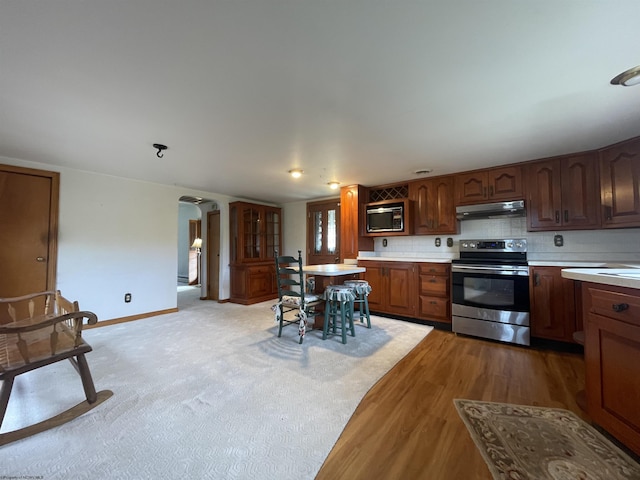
385	217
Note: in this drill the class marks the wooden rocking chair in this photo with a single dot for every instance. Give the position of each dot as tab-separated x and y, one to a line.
39	334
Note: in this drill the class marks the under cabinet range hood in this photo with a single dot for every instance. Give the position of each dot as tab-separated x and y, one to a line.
491	210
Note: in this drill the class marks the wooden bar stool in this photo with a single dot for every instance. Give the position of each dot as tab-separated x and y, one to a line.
338	309
361	289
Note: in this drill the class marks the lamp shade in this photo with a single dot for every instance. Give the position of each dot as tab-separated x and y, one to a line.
197	243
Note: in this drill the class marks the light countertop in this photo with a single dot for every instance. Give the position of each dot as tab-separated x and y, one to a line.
621	277
333	269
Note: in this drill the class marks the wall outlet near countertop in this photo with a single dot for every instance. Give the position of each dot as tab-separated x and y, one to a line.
558	240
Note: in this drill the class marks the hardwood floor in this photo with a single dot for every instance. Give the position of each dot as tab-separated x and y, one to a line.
407	427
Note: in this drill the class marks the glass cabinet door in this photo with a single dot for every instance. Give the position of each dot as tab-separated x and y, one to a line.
251	229
272	232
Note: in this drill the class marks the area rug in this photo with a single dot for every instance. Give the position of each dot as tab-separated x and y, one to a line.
523	442
209	392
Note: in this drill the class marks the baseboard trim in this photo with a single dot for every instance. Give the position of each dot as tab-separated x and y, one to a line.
114	321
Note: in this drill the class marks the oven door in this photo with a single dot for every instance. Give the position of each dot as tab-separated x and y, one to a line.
495	288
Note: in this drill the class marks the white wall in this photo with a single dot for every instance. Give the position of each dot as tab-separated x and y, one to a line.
295	229
579	245
120	236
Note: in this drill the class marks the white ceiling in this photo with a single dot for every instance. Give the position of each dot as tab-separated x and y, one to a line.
358	91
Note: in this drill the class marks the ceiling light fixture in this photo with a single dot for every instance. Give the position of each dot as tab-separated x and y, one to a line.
628	77
296	172
160	148
333	185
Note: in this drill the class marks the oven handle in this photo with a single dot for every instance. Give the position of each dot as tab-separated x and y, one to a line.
499	271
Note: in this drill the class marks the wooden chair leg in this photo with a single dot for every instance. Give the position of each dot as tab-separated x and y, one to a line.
87	381
5	393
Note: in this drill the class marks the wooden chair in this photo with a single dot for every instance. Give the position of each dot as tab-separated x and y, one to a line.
292	296
41	333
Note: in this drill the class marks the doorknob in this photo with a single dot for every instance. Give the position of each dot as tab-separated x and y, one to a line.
40	259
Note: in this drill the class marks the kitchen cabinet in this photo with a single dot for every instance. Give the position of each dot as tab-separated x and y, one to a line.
620	184
612	359
393	287
434	211
434	290
553	305
352	239
492	185
563	193
256	234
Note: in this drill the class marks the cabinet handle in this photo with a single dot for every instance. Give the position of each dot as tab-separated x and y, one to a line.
566	216
433	280
536	279
491	191
557	216
619	307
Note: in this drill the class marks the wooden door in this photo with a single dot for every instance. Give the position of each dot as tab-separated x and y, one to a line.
213	255
28	232
504	183
553	308
323	232
401	288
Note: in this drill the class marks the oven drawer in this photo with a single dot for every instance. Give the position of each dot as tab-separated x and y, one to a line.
503	332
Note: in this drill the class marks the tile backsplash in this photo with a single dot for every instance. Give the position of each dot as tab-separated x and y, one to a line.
579	245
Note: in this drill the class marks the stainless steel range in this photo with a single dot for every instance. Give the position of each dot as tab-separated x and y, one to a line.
490	290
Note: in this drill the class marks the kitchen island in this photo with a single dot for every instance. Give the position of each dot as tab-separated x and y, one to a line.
611	318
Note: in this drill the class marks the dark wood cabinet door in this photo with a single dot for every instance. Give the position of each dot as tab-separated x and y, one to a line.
553	308
401	288
504	184
393	287
377	281
545	195
493	185
471	188
434	209
620	184
580	192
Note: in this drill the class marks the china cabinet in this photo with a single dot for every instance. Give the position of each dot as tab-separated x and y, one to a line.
256	234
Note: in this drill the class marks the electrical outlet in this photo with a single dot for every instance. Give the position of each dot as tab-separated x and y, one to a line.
449	242
438	242
127	298
558	241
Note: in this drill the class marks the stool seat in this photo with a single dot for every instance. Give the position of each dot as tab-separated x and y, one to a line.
338	310
362	289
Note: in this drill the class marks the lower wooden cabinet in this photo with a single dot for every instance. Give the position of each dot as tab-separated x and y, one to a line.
553	305
393	287
612	360
253	283
434	287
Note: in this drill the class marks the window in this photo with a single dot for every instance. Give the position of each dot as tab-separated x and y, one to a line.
323	237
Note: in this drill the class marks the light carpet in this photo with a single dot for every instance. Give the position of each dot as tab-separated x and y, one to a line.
207	392
537	443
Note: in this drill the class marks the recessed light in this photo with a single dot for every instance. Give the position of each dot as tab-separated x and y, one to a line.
423	171
296	172
333	185
628	77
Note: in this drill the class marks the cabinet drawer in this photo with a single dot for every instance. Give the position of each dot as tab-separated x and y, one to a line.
434	307
617	305
434	268
433	284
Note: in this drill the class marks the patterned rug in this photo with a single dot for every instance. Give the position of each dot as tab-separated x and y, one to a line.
521	442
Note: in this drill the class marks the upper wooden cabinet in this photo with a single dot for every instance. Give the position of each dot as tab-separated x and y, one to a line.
434	211
563	193
352	239
256	234
493	185
620	183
